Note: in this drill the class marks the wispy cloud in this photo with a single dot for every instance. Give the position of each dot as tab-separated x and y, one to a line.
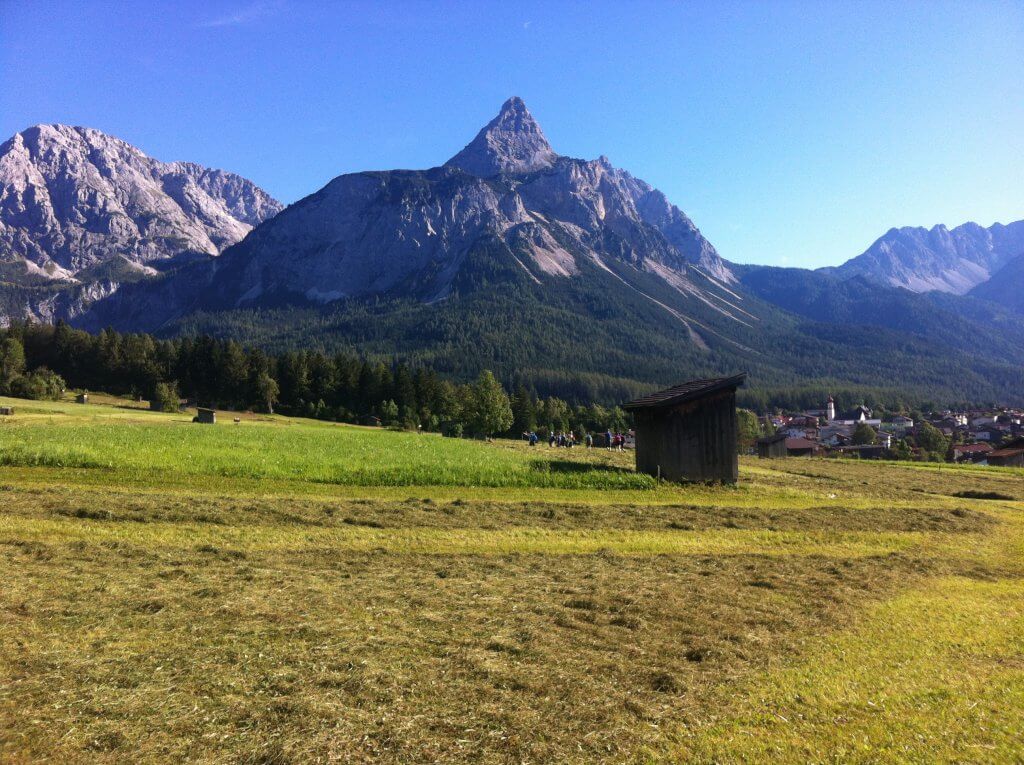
245	14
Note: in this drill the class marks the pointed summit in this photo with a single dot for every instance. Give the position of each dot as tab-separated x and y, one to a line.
510	143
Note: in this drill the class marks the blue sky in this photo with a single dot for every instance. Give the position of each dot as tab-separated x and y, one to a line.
792	133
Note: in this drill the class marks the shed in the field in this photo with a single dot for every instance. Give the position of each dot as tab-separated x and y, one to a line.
800	447
688	432
772	446
82	398
205	416
7	411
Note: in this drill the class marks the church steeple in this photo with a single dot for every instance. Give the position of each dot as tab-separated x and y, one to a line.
830	409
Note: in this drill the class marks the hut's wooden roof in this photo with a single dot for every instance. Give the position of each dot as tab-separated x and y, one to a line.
686	391
1011	449
799	443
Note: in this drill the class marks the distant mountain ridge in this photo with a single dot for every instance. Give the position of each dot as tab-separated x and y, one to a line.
570	274
408	233
947	260
82	208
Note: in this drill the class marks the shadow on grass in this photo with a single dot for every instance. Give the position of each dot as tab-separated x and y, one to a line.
130	408
971	494
571	466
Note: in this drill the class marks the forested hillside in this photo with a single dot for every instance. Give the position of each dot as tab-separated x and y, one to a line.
571	277
592	340
37	361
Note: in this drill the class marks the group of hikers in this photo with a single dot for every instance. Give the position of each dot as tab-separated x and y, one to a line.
615	441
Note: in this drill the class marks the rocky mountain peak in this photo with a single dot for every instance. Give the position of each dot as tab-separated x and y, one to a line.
77	205
510	143
940	258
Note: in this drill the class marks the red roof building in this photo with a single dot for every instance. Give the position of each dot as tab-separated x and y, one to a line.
1008	455
800	447
963	452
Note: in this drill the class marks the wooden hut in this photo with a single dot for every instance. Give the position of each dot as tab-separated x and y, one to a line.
772	446
7	411
800	447
82	398
205	416
1008	455
688	432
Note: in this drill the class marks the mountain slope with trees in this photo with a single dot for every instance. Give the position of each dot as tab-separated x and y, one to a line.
82	212
568	275
1006	288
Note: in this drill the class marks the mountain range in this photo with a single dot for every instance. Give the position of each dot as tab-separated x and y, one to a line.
569	273
82	212
959	260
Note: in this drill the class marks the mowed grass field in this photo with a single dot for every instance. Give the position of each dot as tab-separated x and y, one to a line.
283	591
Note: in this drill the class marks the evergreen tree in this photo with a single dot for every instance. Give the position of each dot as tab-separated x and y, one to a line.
902	450
524	411
864	434
389	412
12	362
404	391
234	376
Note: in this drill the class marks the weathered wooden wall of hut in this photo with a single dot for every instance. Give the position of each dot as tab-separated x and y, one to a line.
691	441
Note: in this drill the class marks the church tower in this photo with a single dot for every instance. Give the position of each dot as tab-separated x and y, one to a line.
830	409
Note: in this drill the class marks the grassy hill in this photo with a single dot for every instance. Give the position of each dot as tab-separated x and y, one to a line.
290	591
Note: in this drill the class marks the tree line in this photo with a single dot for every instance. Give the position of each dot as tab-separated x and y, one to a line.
39	361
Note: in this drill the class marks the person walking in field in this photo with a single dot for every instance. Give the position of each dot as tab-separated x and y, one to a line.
590	440
608	438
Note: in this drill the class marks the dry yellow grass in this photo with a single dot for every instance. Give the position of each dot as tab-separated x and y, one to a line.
819	611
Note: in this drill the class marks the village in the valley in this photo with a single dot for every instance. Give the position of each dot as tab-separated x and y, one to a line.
993	436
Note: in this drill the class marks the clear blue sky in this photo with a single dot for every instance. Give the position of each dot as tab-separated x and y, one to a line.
792	133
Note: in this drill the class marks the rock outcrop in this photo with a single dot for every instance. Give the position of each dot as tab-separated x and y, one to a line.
409	233
948	260
75	202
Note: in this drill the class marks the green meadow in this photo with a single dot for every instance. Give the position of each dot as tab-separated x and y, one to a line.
288	591
56	435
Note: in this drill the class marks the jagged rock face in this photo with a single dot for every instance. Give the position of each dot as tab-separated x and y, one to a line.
73	199
510	143
408	233
362	234
948	260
